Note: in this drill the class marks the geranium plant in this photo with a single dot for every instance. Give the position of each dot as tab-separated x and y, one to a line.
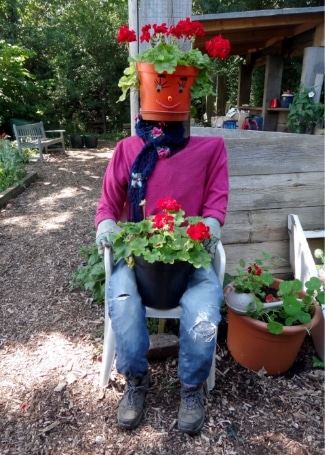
165	237
253	278
165	53
294	300
304	113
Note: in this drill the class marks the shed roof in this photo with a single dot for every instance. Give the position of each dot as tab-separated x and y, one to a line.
257	32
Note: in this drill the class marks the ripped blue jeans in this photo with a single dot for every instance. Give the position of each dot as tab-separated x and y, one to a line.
201	315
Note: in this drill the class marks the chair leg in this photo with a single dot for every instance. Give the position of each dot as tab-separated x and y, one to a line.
40	148
211	380
108	355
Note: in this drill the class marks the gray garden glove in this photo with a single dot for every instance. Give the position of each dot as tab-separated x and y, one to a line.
103	235
215	231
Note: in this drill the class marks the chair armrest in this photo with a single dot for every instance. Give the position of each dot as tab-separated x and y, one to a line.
54	131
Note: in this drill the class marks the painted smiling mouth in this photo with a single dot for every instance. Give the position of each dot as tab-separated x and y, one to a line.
169	106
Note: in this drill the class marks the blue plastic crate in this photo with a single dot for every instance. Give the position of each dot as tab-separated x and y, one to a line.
230	124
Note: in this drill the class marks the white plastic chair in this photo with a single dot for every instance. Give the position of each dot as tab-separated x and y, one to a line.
174	313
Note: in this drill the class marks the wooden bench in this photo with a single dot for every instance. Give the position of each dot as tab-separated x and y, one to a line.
33	136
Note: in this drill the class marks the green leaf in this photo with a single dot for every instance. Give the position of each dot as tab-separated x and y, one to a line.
275	327
304	317
291	305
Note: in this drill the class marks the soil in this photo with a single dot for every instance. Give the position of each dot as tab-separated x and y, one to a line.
51	342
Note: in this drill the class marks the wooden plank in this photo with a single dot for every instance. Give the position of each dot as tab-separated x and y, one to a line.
258	225
272	175
275	191
250	251
16	189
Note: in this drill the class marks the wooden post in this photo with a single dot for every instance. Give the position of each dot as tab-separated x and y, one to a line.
134	50
244	84
312	75
272	89
143	12
221	95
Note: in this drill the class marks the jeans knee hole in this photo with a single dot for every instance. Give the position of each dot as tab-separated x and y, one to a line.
123	297
205	329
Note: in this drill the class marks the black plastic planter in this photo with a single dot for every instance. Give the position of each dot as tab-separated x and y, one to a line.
91	142
77	141
161	285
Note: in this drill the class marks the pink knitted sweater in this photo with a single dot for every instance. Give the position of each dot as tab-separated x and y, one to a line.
197	177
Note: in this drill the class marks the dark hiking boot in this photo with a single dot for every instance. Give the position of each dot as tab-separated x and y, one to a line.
191	410
130	410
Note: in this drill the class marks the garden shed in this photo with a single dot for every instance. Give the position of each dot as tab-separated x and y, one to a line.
267	37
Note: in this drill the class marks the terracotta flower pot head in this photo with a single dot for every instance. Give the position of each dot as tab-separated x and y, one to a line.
171	52
163	96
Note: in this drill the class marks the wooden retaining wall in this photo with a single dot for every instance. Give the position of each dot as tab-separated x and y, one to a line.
272	175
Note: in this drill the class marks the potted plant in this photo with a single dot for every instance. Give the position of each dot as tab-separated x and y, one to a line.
278	315
304	113
160	247
151	67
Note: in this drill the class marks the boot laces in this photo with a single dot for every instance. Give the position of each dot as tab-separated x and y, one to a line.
192	398
133	390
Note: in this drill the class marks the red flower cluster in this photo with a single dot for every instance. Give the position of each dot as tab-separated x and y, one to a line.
255	270
183	29
218	47
168	204
198	231
163	220
126	35
186	28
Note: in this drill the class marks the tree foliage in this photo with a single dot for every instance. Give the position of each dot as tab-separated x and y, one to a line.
60	62
74	58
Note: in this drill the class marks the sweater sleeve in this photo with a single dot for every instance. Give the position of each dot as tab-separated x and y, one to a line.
115	182
217	182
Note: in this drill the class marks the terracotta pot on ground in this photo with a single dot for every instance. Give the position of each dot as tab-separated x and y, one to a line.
165	97
252	345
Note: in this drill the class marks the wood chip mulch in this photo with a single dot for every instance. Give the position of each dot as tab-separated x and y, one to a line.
51	342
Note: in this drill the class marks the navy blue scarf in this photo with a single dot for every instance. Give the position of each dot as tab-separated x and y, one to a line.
162	140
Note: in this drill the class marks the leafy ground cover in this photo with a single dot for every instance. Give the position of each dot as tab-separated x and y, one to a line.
12	165
51	342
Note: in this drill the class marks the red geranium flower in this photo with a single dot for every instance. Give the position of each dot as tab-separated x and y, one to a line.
218	47
126	35
145	33
187	28
255	270
199	231
168	204
160	28
163	220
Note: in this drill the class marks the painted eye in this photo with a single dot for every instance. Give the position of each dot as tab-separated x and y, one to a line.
182	84
160	83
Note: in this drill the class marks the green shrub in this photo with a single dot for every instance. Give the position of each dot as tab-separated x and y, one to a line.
91	275
12	165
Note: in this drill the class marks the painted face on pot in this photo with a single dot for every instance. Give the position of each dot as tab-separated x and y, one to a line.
171	92
164	96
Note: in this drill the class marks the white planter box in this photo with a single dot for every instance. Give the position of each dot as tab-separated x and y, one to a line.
303	265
